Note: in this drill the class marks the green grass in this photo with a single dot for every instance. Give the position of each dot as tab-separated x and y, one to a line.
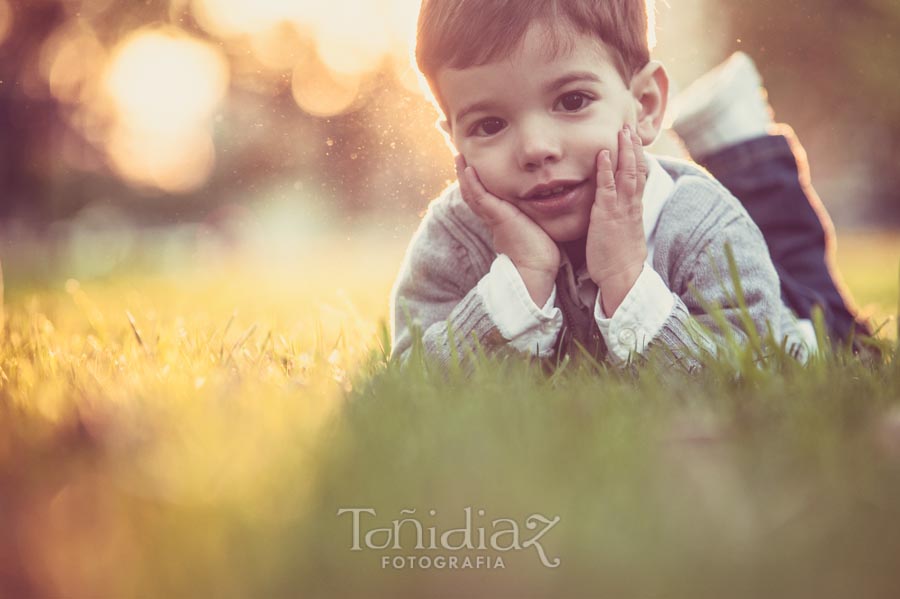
194	434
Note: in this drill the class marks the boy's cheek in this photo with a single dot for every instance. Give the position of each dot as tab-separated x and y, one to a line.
490	179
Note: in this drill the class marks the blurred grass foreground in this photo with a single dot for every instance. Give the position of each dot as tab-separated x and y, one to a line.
195	429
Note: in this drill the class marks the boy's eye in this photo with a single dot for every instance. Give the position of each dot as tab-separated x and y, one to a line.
573	101
487	127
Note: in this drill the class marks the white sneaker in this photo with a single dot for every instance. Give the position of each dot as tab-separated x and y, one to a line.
723	107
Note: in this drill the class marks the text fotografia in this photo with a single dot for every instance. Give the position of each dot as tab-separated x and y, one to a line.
500	535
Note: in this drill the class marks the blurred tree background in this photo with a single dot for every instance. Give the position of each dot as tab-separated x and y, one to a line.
177	111
830	67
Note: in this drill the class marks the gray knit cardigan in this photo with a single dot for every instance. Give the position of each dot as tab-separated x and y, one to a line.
435	290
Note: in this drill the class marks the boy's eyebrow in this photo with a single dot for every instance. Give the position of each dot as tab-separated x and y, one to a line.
570	78
476	107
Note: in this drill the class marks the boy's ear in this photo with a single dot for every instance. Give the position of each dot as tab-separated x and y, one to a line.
650	88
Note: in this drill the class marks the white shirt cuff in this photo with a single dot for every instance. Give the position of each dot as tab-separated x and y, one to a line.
527	328
638	319
801	339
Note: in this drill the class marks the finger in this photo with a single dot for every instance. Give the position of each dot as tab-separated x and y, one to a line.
641	165
486	206
460	163
466	188
626	173
606	181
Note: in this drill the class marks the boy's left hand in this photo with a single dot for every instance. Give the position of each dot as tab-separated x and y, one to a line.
616	248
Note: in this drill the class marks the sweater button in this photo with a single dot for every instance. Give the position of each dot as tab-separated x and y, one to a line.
626	337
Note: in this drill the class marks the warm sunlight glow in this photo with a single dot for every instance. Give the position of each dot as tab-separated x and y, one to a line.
280	48
229	18
164	86
351	36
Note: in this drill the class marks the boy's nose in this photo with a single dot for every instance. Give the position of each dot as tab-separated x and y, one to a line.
538	146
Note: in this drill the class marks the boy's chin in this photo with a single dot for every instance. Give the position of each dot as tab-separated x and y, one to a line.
566	232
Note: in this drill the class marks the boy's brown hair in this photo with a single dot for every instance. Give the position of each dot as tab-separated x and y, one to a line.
464	33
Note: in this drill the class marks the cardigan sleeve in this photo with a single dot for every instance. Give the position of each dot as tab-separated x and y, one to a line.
705	287
435	295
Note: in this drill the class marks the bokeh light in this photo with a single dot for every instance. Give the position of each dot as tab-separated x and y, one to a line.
164	80
5	19
144	97
280	47
353	43
177	162
322	92
70	61
164	86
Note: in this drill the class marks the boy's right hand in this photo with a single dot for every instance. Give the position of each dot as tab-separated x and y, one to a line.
531	250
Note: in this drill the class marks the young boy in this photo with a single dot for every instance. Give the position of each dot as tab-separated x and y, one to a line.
562	231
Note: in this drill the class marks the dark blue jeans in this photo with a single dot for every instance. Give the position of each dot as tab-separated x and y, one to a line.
765	175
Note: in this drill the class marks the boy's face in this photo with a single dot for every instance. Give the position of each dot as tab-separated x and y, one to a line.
534	120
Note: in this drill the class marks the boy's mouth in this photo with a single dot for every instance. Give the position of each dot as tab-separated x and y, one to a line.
549	191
